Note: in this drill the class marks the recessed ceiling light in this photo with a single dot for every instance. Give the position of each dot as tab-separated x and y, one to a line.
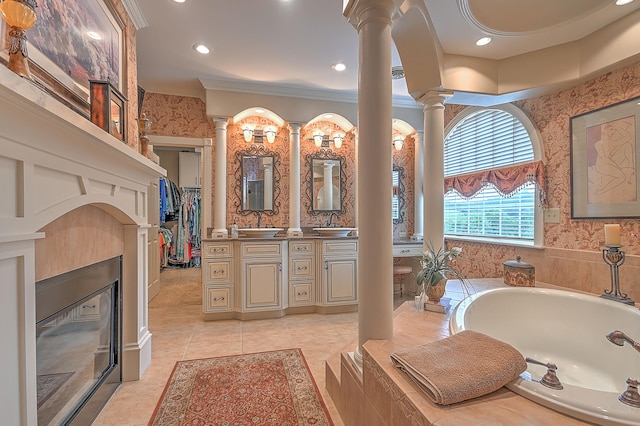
622	2
483	41
94	35
339	66
179	1
201	48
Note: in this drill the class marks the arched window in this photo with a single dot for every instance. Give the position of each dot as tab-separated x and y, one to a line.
493	175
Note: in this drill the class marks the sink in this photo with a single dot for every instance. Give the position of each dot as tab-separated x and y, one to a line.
260	232
334	232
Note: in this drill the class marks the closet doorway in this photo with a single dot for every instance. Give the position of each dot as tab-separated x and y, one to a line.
184	216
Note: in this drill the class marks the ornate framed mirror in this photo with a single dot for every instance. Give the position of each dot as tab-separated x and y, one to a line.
257	177
397	197
325	183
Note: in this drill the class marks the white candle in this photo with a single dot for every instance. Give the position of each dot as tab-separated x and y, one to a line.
612	235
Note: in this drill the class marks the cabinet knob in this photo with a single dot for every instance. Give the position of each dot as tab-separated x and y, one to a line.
218	299
302	293
219	271
302	268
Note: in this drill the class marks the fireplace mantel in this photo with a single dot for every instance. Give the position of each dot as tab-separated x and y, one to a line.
53	161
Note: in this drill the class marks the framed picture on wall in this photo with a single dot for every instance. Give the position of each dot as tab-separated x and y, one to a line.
73	42
605	162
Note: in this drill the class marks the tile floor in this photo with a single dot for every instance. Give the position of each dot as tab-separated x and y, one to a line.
179	333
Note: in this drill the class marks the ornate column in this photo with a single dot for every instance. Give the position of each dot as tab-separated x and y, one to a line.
374	177
433	181
220	184
294	181
418	178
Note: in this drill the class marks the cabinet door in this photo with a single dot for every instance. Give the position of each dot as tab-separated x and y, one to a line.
189	170
262	285
340	281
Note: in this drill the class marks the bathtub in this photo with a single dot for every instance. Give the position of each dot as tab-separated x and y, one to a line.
568	329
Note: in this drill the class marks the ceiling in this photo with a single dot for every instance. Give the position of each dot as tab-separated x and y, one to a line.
294	43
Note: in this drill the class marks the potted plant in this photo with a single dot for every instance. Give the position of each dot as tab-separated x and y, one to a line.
437	267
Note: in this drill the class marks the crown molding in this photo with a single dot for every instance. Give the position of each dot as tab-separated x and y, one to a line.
295	92
135	13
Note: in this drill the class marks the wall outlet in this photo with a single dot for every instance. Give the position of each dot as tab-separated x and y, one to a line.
552	215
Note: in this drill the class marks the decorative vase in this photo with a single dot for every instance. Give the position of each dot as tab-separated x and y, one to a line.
435	292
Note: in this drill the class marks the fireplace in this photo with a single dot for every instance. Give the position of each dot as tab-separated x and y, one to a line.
78	342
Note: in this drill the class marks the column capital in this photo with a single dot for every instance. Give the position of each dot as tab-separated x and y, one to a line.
221	122
366	11
434	99
294	127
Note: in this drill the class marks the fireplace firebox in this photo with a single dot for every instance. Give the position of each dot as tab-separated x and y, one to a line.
78	347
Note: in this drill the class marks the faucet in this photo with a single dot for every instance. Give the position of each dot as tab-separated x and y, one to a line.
630	396
617	337
550	379
331	215
259	214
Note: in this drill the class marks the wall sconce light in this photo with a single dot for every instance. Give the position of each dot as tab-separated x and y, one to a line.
247	132
270	133
397	142
322	140
252	134
20	15
318	137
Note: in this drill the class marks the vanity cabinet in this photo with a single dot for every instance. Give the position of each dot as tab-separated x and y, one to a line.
263	270
217	271
338	277
301	273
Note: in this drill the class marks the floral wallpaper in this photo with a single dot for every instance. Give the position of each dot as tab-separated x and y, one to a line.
551	115
348	149
565	243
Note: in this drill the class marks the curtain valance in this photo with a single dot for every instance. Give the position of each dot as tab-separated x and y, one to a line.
506	180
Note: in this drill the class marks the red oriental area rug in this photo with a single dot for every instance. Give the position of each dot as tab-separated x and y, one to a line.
267	388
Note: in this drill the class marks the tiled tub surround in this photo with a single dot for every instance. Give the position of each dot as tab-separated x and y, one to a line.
383	395
592	370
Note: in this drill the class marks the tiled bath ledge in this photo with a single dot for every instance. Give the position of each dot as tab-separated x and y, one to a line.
383	395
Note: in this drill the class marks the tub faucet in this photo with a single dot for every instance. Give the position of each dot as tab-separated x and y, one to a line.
617	337
550	379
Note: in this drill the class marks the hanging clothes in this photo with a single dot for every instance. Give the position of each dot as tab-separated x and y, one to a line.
165	239
188	240
170	200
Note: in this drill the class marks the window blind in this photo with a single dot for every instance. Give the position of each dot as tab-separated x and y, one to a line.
488	139
485	140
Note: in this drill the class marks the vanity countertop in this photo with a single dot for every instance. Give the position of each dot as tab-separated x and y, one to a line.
406	241
280	237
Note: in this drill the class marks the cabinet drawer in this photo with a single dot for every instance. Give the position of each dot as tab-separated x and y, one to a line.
301	248
301	268
407	250
340	247
218	271
217	250
217	298
301	293
261	249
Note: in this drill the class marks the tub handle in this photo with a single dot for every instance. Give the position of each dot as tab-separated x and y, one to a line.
550	379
